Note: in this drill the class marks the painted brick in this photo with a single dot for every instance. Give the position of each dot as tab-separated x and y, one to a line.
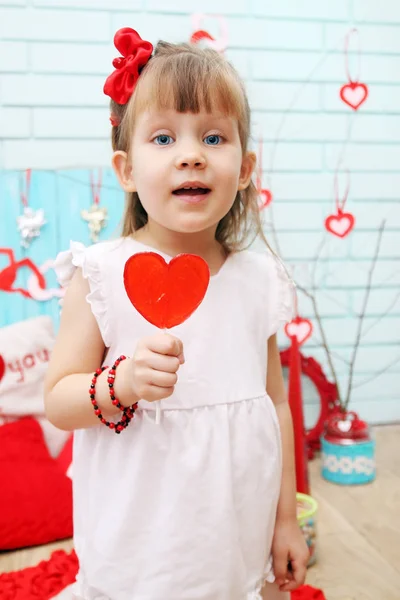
297	186
380	301
54	25
377	128
277	96
293	126
153	27
56	154
238	7
343	332
92	4
373	38
296	66
370	10
310	9
59	58
298	245
288	215
348	274
292	157
286	35
364	156
15	123
13	57
375	186
53	90
67	123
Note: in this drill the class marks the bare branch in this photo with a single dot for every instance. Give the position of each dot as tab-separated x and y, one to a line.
323	336
363	311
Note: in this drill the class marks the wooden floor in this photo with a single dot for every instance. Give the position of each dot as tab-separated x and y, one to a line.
358	532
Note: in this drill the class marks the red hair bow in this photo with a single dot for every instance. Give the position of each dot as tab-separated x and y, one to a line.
135	54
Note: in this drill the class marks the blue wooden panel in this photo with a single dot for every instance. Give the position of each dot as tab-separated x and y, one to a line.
62	195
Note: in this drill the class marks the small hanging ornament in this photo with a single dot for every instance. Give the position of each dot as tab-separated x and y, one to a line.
299	328
31	221
264	195
341	223
202	37
96	215
353	93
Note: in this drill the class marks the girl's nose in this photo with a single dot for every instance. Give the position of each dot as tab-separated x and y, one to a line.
191	160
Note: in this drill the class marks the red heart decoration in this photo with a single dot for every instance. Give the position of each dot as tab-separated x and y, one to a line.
299	328
346	425
200	35
2	367
354	94
265	197
166	294
340	224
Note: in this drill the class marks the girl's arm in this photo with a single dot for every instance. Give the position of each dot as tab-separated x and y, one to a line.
78	352
289	543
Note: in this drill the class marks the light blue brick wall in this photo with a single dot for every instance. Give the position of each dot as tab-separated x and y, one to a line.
54	57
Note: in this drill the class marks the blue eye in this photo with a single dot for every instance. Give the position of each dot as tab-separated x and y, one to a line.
163	140
213	140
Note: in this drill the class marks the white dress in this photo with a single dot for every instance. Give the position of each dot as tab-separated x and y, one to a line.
184	509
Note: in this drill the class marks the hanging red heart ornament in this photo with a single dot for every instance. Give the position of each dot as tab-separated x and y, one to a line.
166	294
200	35
265	199
2	367
354	94
340	224
299	328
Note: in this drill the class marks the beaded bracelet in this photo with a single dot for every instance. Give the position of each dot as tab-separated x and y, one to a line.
127	412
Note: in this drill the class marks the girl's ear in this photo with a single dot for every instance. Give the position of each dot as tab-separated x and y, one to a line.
247	169
123	171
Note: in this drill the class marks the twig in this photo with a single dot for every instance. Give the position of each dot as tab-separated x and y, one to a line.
362	314
377	373
323	336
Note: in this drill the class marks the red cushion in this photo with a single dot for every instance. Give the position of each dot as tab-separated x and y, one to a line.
36	496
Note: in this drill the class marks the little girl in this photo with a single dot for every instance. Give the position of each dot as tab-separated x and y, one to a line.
200	503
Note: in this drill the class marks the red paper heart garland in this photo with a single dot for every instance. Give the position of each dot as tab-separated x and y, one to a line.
299	328
166	294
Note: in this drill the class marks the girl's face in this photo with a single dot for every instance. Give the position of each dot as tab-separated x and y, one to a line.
185	167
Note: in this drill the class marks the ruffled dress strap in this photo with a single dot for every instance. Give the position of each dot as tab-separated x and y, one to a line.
282	294
87	259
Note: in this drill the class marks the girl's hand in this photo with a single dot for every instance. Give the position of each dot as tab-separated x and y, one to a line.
154	366
290	555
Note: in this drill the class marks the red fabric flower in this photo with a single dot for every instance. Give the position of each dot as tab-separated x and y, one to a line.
135	54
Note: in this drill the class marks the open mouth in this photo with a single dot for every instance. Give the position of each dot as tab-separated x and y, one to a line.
191	191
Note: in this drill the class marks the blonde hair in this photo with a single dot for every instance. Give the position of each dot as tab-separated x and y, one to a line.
190	79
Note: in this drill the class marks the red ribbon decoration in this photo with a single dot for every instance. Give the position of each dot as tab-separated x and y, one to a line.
353	93
135	54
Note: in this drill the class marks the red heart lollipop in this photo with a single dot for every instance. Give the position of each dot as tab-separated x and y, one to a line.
166	294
